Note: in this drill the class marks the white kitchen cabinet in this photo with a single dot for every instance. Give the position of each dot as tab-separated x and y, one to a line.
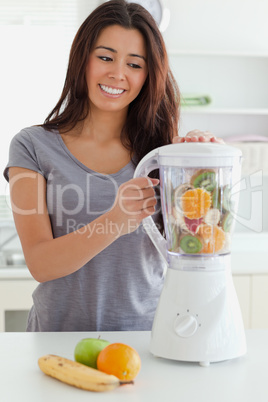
219	26
15	295
236	85
252	293
259	305
220	50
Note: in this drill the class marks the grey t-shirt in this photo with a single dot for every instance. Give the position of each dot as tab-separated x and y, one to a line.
120	287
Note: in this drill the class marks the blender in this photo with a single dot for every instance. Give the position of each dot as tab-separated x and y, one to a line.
198	317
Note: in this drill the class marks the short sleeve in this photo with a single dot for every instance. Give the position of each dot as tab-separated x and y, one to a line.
22	154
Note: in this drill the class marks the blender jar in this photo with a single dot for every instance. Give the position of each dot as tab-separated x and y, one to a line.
199	186
199	209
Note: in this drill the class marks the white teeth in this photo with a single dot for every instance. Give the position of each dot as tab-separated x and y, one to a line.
111	91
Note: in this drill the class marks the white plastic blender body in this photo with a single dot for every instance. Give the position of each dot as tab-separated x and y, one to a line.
198	317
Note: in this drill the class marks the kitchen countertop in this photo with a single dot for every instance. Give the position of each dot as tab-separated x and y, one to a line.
243	379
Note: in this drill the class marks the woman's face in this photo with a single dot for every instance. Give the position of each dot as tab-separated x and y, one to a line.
117	69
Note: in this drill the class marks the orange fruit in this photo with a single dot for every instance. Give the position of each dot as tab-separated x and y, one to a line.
120	360
213	238
195	203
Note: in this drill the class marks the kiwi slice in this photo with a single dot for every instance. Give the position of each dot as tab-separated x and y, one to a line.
226	195
221	198
227	222
205	179
191	244
216	198
173	236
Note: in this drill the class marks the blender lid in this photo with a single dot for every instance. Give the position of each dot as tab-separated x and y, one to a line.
199	154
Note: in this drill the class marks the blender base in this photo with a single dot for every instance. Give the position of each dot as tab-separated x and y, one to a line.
204	364
198	318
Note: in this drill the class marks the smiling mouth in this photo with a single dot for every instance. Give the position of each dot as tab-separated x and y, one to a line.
111	91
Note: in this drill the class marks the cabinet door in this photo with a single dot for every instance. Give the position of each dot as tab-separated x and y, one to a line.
15	295
259	308
242	286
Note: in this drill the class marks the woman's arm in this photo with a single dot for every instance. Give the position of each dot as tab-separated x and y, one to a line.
48	258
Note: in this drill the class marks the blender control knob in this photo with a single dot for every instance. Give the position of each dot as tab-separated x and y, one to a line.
185	325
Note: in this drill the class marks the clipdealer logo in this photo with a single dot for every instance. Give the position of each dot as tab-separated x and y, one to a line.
250	191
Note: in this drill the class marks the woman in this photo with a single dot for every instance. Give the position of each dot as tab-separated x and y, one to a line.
76	207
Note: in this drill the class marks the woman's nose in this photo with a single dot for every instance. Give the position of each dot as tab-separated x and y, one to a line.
117	71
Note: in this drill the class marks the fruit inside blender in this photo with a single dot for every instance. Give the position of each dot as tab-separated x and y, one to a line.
199	211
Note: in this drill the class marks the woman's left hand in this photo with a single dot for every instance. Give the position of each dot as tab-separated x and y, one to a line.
198	136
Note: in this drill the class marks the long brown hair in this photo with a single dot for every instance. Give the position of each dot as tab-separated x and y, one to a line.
153	116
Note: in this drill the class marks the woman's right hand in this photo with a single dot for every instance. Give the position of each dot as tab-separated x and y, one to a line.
50	258
135	201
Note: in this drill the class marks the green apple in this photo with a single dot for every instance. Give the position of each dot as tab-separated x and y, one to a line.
88	349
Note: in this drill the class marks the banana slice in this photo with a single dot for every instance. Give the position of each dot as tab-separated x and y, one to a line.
212	217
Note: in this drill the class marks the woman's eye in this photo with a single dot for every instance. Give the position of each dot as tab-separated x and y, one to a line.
134	65
105	58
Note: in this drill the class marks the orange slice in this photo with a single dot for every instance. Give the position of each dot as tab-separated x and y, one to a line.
195	203
213	238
